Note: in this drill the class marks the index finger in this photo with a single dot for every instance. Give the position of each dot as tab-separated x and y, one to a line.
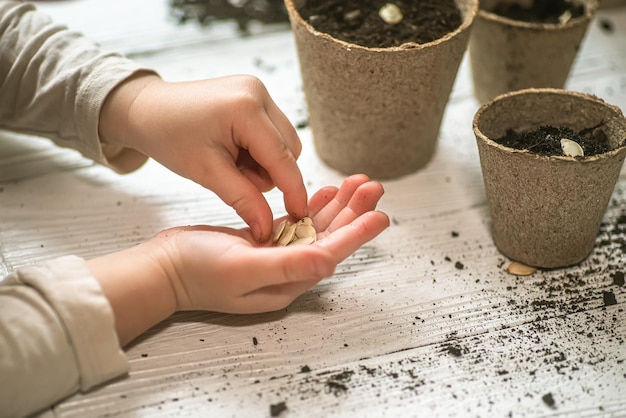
277	155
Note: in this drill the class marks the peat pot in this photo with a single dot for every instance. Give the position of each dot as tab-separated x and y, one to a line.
377	110
610	4
546	210
508	55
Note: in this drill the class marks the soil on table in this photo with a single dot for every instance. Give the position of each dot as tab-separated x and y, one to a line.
544	11
358	21
242	11
546	140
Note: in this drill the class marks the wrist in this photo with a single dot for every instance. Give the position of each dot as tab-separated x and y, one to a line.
115	124
137	287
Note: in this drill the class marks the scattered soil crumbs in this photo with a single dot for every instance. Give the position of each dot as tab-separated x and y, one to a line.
454	350
606	25
277	409
546	140
242	11
548	399
609	298
358	22
547	341
546	11
337	384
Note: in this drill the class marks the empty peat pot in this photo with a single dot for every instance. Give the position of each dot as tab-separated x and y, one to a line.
508	55
546	210
377	111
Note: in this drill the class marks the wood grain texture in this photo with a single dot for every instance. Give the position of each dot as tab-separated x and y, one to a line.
423	321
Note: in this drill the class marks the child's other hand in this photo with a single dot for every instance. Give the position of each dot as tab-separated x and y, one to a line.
227	270
226	134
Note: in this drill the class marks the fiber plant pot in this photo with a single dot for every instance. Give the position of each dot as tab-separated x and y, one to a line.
377	111
610	4
508	55
546	211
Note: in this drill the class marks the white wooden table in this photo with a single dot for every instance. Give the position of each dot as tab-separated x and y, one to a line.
423	321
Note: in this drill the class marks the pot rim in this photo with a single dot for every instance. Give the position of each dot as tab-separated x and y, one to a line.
547	91
590	8
468	20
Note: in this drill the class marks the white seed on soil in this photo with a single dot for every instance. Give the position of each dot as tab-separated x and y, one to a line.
518	269
390	14
302	232
571	148
565	17
350	16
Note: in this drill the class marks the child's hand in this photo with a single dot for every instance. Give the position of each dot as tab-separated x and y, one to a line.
225	134
226	270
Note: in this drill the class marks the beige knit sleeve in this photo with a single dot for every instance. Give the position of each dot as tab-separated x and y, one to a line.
53	82
57	336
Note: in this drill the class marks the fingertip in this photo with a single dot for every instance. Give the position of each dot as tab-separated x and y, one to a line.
260	223
358	178
296	203
257	232
377	220
385	220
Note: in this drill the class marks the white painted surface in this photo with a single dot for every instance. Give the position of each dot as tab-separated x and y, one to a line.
417	323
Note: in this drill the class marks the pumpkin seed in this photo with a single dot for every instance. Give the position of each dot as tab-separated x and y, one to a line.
518	269
279	231
565	17
287	236
390	14
302	232
571	148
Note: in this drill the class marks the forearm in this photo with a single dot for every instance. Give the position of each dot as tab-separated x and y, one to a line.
137	288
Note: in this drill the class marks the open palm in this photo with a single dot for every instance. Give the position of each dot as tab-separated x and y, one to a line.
226	270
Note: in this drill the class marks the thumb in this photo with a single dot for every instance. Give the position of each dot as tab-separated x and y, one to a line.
281	265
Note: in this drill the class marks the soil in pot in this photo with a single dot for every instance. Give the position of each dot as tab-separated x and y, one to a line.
360	22
547	140
544	11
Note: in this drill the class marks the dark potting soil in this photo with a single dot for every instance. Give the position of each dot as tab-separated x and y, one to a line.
358	21
546	140
545	11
